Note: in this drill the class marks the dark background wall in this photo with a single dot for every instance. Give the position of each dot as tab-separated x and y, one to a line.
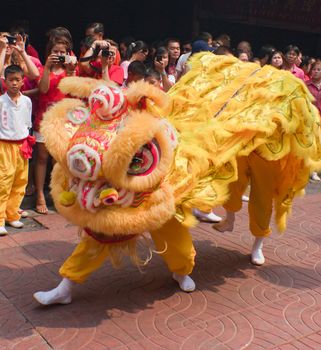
152	20
148	20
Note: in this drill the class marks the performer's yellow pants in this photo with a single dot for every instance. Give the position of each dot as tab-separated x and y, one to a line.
263	176
90	254
13	180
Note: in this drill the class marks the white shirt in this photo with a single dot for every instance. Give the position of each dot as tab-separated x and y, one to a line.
182	61
15	118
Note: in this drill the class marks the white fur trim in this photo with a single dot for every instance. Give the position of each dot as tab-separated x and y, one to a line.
125	198
75	154
77	119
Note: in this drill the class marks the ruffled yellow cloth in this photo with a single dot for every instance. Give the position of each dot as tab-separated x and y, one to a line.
224	108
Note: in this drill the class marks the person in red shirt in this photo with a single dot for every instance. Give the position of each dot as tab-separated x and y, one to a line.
59	64
99	51
306	66
22	28
109	70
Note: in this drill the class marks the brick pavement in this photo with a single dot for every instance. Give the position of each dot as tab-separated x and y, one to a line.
236	305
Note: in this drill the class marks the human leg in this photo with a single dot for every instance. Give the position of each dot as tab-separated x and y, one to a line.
234	202
87	257
175	245
40	176
315	176
62	294
257	256
208	217
30	189
7	175
226	225
264	175
17	190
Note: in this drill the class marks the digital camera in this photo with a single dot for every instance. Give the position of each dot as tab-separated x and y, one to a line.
12	40
67	59
106	53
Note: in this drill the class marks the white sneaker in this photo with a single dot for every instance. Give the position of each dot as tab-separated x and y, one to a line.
62	294
257	257
52	297
185	282
315	176
209	217
245	198
3	231
23	213
15	224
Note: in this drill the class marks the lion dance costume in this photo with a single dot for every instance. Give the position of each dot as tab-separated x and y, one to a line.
137	161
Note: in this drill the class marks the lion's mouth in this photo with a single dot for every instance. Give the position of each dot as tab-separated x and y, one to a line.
102	238
94	195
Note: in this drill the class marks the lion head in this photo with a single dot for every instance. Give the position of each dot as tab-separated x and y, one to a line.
111	154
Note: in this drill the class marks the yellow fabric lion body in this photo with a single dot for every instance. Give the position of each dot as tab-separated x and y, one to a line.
222	109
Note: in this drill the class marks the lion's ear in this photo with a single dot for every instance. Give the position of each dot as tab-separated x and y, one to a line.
142	95
79	86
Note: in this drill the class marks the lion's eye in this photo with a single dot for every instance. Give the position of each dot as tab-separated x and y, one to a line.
145	160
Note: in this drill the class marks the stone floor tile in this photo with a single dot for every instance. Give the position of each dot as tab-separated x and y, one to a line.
236	305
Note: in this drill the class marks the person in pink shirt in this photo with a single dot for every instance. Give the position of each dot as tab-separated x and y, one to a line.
292	53
137	51
174	51
314	86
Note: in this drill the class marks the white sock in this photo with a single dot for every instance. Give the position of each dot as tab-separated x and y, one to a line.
257	257
227	224
185	282
59	295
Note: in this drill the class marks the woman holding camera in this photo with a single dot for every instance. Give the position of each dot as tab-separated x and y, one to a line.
99	62
161	65
137	51
59	64
15	44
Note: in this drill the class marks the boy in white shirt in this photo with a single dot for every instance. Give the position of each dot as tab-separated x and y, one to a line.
15	147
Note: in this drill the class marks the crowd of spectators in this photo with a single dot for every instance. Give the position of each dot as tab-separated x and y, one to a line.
161	63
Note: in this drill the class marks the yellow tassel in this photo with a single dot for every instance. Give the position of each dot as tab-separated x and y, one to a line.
67	198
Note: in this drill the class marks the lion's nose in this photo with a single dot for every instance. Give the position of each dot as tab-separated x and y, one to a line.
108	196
84	162
93	195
